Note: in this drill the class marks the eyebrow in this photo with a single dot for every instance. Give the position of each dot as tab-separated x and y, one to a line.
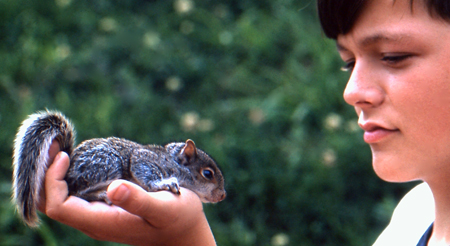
375	38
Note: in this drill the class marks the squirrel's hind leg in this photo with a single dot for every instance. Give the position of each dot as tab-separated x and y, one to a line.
95	193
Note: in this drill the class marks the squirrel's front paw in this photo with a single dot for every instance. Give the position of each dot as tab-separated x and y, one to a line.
174	187
170	184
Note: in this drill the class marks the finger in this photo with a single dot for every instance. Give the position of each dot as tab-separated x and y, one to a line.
101	221
160	209
181	215
52	153
57	190
96	219
55	157
55	185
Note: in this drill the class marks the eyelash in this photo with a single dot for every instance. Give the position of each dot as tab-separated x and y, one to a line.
348	67
391	60
395	58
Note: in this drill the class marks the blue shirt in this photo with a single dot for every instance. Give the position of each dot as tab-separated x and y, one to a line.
426	236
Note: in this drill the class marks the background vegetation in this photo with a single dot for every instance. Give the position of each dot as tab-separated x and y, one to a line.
253	82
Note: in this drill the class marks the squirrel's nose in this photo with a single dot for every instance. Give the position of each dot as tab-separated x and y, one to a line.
223	196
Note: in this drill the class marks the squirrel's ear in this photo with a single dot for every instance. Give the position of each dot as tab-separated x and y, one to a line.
189	150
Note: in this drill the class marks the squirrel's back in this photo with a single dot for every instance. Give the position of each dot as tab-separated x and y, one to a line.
31	147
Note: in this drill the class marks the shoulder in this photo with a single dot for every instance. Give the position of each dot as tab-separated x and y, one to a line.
410	219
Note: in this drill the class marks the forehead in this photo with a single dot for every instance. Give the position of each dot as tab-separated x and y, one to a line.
390	21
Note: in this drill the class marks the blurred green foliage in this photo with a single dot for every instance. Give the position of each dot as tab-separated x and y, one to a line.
253	82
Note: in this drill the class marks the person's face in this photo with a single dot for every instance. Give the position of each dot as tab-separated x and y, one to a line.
399	58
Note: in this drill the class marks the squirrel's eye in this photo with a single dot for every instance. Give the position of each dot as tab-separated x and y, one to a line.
208	174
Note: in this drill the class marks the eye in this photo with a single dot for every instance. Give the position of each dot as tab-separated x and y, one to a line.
393	59
207	173
348	67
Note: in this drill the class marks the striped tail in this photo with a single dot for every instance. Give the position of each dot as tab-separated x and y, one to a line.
31	147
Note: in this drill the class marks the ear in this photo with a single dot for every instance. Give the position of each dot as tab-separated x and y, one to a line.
189	150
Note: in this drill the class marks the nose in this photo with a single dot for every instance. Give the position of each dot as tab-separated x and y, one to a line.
223	196
363	88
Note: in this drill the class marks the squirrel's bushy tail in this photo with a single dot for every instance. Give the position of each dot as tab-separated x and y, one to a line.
31	147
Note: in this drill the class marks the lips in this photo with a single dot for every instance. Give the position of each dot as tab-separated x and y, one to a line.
374	133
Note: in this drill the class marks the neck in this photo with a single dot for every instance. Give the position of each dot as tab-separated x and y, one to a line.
441	228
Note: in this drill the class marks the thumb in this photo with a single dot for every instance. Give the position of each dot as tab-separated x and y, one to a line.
160	209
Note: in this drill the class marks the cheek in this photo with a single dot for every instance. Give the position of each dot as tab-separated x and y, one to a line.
430	106
419	105
422	97
424	113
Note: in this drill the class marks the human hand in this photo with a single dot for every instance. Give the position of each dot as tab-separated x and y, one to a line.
136	217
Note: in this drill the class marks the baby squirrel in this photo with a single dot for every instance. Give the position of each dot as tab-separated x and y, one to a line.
95	163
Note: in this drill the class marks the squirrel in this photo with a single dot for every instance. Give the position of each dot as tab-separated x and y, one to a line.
97	162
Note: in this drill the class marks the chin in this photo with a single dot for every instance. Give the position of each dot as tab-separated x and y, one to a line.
392	170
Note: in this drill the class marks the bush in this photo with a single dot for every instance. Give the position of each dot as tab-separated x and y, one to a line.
254	83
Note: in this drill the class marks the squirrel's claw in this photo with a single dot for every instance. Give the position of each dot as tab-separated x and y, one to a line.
170	184
174	187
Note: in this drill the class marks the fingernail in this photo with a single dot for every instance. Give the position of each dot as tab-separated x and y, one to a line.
119	192
57	157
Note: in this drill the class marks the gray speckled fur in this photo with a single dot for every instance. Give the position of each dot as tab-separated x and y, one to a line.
95	163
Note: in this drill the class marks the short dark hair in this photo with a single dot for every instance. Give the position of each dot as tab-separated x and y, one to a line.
338	16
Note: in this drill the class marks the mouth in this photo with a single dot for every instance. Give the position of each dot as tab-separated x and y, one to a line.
214	198
374	133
